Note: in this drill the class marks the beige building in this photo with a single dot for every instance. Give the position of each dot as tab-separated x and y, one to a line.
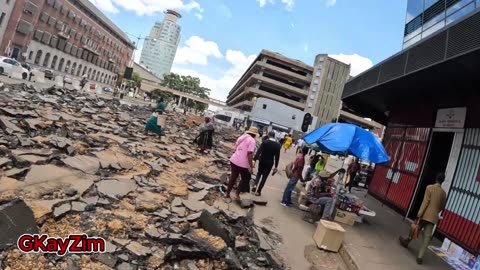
272	76
315	89
326	89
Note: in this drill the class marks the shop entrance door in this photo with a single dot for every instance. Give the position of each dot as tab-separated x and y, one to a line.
437	160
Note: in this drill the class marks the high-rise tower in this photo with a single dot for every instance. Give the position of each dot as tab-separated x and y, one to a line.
160	46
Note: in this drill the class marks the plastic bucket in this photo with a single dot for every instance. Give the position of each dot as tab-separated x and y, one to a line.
161	120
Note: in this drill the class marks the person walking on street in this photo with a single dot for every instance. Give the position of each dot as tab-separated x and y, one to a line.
300	144
204	139
296	175
352	170
161	105
288	142
428	216
268	156
241	162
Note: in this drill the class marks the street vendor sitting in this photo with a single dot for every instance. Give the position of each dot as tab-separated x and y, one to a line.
320	192
152	124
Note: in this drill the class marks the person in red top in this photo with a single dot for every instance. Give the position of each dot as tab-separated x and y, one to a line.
296	175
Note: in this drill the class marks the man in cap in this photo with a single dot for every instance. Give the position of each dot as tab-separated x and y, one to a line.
319	194
269	156
241	162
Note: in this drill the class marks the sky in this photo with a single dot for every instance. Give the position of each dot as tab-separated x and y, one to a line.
221	38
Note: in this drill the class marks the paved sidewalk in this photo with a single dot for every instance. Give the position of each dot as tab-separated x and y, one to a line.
374	244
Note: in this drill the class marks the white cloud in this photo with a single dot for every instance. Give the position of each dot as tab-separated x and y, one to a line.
199	15
106	6
288	3
305	47
358	63
292	25
147	7
221	86
196	51
262	3
331	3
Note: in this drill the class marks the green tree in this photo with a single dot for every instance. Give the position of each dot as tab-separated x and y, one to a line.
190	85
157	94
137	79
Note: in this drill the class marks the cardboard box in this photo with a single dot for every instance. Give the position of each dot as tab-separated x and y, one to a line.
329	235
345	217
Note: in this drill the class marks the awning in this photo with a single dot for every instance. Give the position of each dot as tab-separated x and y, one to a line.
442	71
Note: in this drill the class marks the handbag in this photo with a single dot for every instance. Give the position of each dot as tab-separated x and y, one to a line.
289	169
414	230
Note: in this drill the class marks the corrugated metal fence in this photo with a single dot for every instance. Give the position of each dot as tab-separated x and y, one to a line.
395	182
461	221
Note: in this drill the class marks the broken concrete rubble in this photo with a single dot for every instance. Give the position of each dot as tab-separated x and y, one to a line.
89	169
16	219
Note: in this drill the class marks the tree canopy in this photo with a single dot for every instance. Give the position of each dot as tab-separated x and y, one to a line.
190	85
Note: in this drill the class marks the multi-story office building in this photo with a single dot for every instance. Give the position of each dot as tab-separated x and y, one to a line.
329	77
160	47
428	97
425	17
69	36
316	90
6	7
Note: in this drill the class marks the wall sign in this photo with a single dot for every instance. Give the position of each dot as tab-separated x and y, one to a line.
451	117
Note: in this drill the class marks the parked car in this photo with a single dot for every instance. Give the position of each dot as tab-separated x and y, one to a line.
67	80
48	74
9	65
107	89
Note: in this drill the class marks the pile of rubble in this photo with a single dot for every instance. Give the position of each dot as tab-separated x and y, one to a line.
74	163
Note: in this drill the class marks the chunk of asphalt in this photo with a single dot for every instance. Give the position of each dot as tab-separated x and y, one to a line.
213	226
61	210
105	258
16	218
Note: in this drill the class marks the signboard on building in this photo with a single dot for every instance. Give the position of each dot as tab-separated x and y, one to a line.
451	117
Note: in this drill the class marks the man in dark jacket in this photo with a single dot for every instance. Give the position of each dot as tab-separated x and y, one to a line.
268	155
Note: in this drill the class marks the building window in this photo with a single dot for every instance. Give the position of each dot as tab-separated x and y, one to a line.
312	97
318	73
67	67
37	57
321	60
2	17
30	8
315	81
47	58
459	14
30	55
314	89
310	105
60	64
54	62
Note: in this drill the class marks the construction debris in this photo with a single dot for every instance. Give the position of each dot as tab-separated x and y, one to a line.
75	163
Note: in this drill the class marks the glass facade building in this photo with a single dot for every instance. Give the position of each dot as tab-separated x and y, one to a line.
425	17
160	47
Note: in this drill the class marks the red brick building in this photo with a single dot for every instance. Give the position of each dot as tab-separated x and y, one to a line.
67	36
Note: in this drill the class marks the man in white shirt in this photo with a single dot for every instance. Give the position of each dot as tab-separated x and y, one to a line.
300	144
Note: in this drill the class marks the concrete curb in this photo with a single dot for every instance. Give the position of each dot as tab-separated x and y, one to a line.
347	257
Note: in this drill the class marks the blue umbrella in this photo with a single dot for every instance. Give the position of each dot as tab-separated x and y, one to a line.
350	139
